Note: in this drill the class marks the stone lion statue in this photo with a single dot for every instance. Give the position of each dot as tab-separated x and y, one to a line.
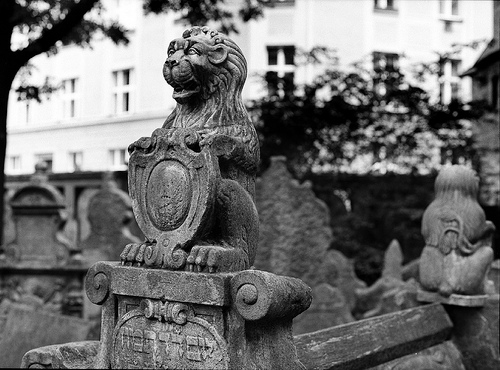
457	252
207	71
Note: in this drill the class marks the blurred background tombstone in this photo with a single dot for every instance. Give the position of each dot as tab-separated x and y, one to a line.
109	212
295	237
41	274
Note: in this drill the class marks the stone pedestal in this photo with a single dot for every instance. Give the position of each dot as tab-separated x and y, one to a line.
171	319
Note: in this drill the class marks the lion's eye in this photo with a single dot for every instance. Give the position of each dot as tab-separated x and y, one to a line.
170	52
192	51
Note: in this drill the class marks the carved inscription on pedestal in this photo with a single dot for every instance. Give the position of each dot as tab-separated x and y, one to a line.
166	335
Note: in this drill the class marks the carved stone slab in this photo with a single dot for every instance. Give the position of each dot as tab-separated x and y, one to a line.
164	334
38	213
172	192
175	319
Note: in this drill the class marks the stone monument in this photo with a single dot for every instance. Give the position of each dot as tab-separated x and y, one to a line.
457	255
186	296
109	212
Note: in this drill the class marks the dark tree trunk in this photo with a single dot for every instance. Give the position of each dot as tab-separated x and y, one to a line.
6	79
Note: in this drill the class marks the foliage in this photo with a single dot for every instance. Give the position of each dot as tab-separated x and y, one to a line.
361	120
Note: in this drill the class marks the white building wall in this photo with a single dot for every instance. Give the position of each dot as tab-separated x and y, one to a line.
354	28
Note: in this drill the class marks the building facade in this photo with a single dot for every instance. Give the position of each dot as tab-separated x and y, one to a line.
111	95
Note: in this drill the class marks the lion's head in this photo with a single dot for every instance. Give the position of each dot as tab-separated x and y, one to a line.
207	71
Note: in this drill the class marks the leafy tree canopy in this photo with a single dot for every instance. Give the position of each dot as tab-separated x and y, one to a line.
361	120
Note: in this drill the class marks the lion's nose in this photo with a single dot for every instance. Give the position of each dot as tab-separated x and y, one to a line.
172	62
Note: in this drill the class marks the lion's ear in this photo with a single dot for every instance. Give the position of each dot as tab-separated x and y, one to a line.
218	54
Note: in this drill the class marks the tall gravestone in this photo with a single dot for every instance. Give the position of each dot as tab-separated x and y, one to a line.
186	297
295	238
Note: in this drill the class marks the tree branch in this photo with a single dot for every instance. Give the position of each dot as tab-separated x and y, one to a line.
58	31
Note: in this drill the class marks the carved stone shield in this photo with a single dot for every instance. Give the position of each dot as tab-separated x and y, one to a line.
173	187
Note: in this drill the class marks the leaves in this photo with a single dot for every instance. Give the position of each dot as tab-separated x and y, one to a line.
360	121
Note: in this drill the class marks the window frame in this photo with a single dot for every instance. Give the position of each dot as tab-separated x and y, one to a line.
388	6
70	108
120	90
283	69
115	158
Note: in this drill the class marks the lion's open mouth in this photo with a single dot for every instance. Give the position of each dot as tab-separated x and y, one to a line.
185	90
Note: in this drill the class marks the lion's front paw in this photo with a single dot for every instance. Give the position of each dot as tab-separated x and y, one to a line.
133	254
213	258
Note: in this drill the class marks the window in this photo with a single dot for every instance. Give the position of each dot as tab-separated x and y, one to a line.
449	8
385	61
14	163
386	68
122	87
281	69
69	97
118	159
47	158
75	161
385	4
27	112
450	80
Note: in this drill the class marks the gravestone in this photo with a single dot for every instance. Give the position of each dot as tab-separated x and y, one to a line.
328	308
109	212
38	266
38	213
26	328
294	225
186	296
295	237
390	293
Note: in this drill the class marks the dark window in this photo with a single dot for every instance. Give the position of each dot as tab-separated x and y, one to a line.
385	61
454	7
281	70
385	4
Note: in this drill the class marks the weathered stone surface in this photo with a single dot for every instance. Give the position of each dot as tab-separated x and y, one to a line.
295	239
26	328
371	342
192	182
476	333
329	308
178	319
75	355
295	232
38	214
458	252
57	294
109	212
337	271
444	356
494	275
390	293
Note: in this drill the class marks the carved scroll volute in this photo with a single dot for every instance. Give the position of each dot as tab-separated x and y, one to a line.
173	189
260	295
97	283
